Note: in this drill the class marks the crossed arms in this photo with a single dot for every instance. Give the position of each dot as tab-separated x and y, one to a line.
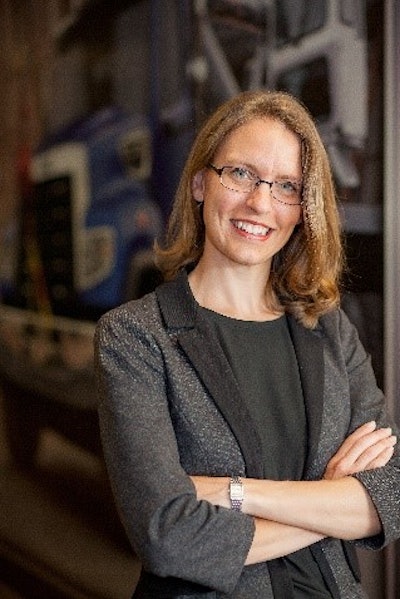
290	515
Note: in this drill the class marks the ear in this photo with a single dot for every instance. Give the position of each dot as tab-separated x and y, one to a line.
198	185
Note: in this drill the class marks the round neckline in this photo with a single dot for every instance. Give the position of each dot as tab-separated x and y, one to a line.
220	316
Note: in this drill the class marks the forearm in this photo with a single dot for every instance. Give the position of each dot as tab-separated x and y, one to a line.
272	540
338	508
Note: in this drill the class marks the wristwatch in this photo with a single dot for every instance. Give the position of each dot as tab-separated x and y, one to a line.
236	493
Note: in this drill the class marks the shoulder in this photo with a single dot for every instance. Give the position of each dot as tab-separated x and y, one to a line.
144	309
170	307
337	325
134	320
335	321
342	340
334	335
332	326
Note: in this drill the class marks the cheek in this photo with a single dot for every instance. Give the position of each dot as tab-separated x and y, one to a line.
291	219
217	206
211	216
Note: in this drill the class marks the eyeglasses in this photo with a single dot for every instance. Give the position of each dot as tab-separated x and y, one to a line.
240	179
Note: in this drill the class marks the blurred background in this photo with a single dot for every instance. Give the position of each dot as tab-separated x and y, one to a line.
100	103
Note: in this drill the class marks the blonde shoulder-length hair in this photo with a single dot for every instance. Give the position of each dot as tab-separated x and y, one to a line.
305	274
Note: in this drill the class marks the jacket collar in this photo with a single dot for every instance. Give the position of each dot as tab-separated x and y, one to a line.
198	340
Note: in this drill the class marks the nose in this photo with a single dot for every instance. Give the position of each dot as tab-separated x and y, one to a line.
260	199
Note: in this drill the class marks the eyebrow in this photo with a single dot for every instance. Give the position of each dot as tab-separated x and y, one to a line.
254	169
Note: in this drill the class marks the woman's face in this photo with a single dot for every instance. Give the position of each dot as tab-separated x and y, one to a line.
248	229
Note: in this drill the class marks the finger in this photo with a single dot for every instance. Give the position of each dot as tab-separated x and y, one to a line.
360	432
363	443
372	457
381	460
371	454
358	458
368	442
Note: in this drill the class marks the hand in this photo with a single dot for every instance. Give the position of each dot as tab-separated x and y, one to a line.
366	448
214	489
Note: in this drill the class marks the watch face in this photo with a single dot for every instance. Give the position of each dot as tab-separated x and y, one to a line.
236	491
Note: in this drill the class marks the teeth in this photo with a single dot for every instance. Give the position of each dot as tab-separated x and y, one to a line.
252	229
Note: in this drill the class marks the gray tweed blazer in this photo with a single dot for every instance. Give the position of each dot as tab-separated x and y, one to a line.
169	406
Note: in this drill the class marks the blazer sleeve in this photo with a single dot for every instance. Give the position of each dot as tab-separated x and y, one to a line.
173	533
368	403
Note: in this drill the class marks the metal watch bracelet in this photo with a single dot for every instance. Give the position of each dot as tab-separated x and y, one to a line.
236	493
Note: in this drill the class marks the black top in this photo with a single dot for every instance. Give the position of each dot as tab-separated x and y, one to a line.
263	360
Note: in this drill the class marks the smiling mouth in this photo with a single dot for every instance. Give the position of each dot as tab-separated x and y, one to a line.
250	228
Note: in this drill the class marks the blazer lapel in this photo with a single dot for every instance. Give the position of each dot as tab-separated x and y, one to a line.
308	346
199	342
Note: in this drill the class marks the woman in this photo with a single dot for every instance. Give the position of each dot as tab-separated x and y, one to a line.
246	440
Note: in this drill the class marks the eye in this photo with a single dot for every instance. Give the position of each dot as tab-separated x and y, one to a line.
288	187
241	174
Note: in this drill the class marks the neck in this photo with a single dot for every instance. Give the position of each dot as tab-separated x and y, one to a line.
241	293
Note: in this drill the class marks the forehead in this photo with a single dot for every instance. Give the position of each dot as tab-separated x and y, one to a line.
262	141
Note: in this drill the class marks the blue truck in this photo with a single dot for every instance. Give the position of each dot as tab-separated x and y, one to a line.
82	244
87	221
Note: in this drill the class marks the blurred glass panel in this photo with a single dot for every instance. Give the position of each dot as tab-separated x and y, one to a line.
310	83
296	19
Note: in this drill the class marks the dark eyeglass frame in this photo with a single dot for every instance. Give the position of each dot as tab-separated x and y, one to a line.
257	183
